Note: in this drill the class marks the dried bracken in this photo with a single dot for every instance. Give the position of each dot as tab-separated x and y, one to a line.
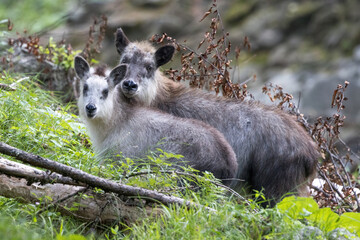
333	168
32	46
52	62
96	36
209	66
276	93
339	190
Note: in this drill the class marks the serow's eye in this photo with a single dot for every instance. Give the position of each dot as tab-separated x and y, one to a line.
105	93
125	60
149	68
85	89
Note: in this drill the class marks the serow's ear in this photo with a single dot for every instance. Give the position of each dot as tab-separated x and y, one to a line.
121	41
117	75
164	54
82	68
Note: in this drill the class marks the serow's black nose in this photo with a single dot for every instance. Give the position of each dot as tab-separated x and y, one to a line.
90	108
130	85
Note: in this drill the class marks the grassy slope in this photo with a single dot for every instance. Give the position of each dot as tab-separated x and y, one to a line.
32	120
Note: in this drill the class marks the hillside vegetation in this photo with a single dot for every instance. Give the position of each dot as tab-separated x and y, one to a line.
33	120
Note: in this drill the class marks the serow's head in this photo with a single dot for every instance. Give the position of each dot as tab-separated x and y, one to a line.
143	61
96	92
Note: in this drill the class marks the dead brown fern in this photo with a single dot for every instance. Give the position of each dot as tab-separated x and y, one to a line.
95	38
52	62
276	93
338	191
31	44
209	66
333	169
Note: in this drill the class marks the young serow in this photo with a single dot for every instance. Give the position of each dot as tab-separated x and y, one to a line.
274	153
115	125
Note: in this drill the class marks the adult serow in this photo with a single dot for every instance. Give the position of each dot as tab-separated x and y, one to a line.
117	126
274	152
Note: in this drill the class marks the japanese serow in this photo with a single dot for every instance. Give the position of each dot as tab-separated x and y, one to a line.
274	152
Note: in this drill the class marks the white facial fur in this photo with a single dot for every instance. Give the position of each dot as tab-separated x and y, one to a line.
94	94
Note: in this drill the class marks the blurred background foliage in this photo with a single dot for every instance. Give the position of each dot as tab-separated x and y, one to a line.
34	15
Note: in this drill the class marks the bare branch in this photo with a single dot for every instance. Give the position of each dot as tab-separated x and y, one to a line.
345	145
13	85
6	87
93	181
31	174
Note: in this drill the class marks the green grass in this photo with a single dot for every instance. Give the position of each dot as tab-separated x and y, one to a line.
33	120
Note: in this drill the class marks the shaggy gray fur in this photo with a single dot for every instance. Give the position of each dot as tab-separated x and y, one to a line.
273	151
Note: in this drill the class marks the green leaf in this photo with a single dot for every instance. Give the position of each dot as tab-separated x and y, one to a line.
70	237
350	221
115	230
325	219
297	207
93	61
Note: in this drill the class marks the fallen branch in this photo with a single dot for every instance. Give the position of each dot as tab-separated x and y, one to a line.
31	174
93	181
6	87
76	201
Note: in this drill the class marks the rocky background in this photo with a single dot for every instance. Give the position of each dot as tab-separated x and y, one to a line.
307	47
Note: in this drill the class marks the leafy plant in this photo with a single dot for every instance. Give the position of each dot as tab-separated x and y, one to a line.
59	54
324	218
